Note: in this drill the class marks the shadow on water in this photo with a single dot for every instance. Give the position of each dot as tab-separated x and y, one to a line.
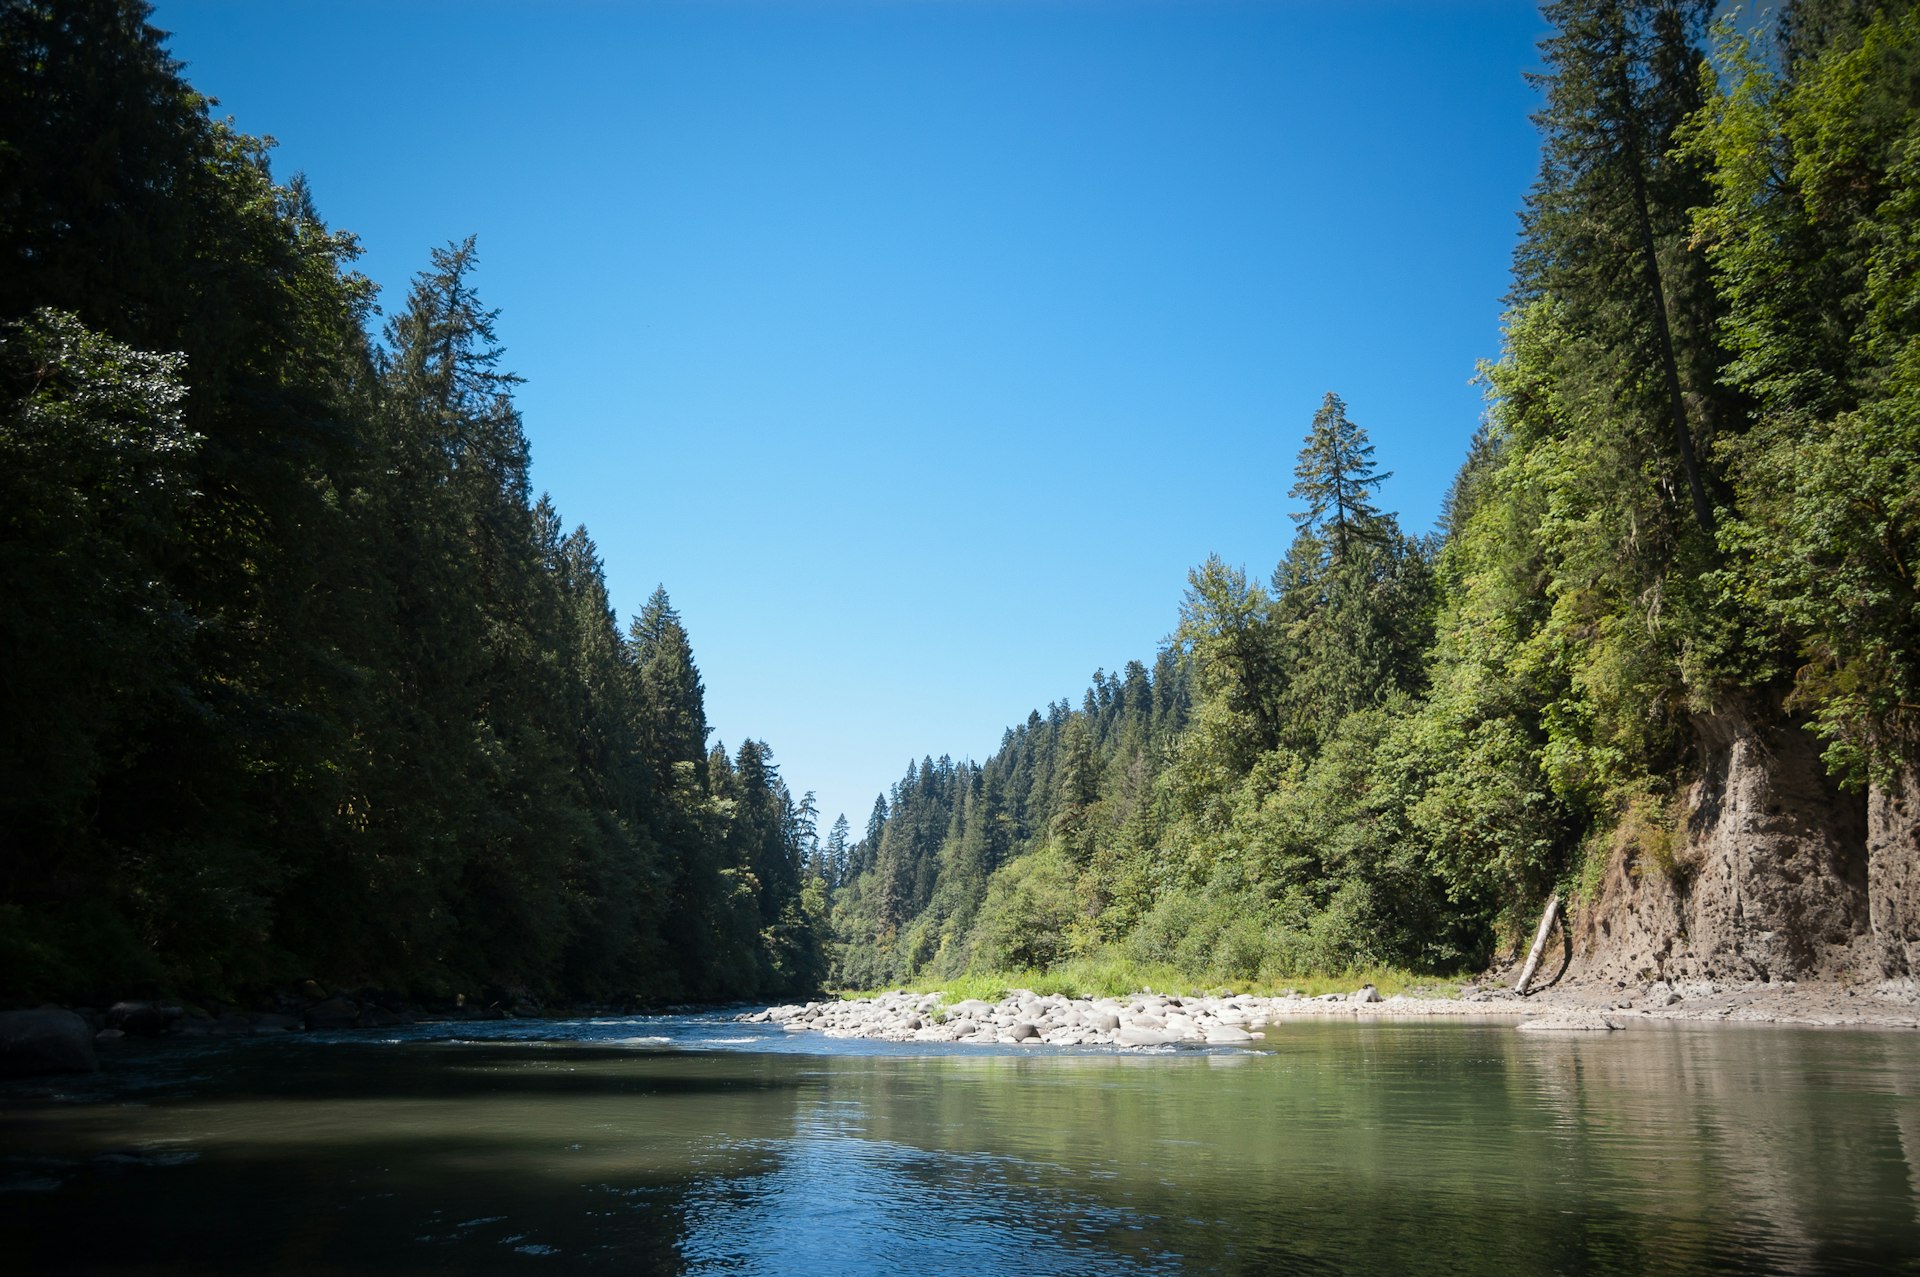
1340	1148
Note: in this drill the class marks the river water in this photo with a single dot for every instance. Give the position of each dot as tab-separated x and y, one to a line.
693	1144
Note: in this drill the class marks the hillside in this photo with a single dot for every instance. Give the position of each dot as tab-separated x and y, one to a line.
1659	658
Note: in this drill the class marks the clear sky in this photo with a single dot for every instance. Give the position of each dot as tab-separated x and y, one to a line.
920	348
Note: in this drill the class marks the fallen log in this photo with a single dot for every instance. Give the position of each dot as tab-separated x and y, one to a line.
1547	920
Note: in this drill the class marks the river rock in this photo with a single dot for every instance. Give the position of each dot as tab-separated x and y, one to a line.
1024	1030
1223	1034
49	1040
339	1013
1365	993
1135	1035
142	1019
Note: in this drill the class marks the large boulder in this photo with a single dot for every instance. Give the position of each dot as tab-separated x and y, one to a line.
45	1041
143	1019
1139	1035
334	1013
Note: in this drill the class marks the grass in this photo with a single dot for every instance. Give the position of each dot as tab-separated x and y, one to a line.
1109	977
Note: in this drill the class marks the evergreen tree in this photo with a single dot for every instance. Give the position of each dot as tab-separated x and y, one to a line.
1335	478
1075	793
669	696
836	855
1611	206
1811	234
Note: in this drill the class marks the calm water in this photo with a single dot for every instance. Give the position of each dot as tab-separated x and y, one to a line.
692	1144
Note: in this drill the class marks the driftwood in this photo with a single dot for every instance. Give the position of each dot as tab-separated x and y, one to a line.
1547	920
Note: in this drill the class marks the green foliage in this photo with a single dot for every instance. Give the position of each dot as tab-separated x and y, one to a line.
1698	485
303	680
1225	625
1107	974
97	482
1030	911
1811	232
1263	828
1606	233
306	683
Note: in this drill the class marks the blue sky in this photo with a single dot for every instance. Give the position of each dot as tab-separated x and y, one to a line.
920	348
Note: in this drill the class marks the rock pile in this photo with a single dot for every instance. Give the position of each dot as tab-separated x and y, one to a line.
1144	1019
1138	1020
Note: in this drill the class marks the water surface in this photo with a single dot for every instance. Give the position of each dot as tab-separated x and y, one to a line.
694	1144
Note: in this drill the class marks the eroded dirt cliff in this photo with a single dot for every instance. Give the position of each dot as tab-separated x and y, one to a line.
1772	873
1893	874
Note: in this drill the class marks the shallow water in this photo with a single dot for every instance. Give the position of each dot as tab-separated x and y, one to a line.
694	1144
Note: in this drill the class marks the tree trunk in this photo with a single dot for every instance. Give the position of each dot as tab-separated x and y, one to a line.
1539	944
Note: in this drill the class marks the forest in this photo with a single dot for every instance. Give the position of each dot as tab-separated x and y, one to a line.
1695	495
301	680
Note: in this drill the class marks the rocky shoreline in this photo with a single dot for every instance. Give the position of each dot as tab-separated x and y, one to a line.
1146	1019
57	1039
54	1039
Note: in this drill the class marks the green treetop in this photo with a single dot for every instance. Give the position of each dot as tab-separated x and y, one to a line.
1335	478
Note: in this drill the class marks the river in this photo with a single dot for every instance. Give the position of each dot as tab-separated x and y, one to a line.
693	1144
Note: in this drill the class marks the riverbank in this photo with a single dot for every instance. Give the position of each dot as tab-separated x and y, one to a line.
1149	1019
1884	1005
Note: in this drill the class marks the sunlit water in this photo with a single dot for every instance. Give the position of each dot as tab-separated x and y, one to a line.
694	1144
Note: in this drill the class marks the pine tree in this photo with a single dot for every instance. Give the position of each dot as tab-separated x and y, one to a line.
1605	229
1335	478
835	855
1077	789
669	696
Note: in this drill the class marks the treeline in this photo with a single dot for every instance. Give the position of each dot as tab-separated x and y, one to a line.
927	888
1696	493
297	679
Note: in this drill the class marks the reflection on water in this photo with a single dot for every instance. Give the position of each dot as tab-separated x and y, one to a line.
692	1144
